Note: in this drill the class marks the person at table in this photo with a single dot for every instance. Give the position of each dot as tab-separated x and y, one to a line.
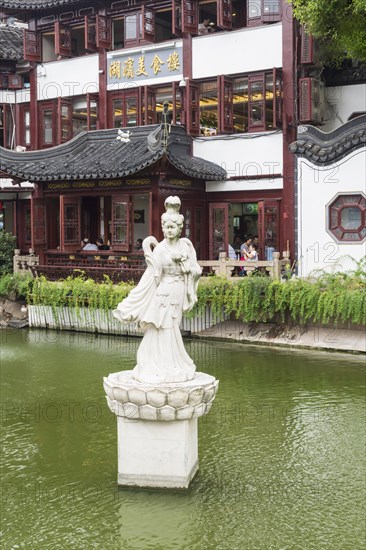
138	244
244	249
86	245
101	245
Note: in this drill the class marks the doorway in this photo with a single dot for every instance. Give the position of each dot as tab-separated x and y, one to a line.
245	219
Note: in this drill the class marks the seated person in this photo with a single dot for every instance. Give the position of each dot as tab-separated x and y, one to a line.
244	249
205	27
250	256
100	244
253	253
88	246
138	244
237	244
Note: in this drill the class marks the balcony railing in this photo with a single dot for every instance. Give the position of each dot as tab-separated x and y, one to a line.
130	268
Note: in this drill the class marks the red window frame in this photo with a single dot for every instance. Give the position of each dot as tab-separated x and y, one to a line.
123	97
224	14
64	120
8	127
62	40
24	125
92	98
32	46
225	95
265	15
42	108
335	208
144	27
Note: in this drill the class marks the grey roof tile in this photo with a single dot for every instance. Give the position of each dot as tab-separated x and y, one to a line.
99	155
34	4
324	148
11	42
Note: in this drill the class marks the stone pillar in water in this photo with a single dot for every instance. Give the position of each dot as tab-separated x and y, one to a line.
158	403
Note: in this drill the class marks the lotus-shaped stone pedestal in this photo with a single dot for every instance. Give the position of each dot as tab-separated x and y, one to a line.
157	428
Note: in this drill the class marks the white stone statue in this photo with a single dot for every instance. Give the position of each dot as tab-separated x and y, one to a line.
166	290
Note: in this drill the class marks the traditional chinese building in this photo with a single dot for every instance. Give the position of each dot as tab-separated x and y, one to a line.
235	97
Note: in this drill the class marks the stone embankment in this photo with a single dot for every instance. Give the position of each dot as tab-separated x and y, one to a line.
347	337
350	338
13	313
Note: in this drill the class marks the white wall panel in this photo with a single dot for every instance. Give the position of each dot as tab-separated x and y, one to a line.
316	188
341	102
243	155
68	78
241	51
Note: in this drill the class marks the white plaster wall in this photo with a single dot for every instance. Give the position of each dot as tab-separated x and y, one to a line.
15	96
241	51
7	96
67	78
243	154
316	188
266	184
341	102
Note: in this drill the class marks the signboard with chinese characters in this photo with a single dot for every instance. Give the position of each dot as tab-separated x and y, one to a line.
143	66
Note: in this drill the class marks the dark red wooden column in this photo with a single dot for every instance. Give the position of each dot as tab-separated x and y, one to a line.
289	72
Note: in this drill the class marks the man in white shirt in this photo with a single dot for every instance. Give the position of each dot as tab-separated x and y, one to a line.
86	245
205	27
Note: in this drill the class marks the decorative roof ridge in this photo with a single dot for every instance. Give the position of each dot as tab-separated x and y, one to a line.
209	170
324	148
35	4
80	140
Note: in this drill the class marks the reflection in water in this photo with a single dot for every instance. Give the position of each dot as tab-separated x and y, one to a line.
281	452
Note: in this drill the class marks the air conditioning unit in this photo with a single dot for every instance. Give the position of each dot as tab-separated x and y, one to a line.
309	50
311	100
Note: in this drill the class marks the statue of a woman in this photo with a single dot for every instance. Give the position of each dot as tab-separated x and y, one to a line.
166	290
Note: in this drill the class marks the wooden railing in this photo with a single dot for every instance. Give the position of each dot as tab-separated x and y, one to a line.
130	268
230	269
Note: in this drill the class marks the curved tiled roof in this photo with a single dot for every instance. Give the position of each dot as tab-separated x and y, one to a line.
11	42
323	148
34	4
99	155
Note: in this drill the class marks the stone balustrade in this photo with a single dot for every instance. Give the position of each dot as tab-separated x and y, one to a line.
22	263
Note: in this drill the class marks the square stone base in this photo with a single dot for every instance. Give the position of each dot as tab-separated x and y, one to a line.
157	454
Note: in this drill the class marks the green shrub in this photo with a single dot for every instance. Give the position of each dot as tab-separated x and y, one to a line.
15	285
78	292
7	245
337	297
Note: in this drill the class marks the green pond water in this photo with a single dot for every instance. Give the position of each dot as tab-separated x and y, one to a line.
282	452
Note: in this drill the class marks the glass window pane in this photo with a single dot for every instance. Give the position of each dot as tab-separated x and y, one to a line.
130	27
256	103
254	8
240	105
131	111
93	114
208	108
117	113
270	7
79	116
269	102
47	126
351	217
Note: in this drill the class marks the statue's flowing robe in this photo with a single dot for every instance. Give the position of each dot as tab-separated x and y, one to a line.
167	289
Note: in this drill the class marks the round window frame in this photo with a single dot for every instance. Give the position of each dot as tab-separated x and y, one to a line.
357	199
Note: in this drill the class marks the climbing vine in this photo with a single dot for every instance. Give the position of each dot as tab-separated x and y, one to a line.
336	298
